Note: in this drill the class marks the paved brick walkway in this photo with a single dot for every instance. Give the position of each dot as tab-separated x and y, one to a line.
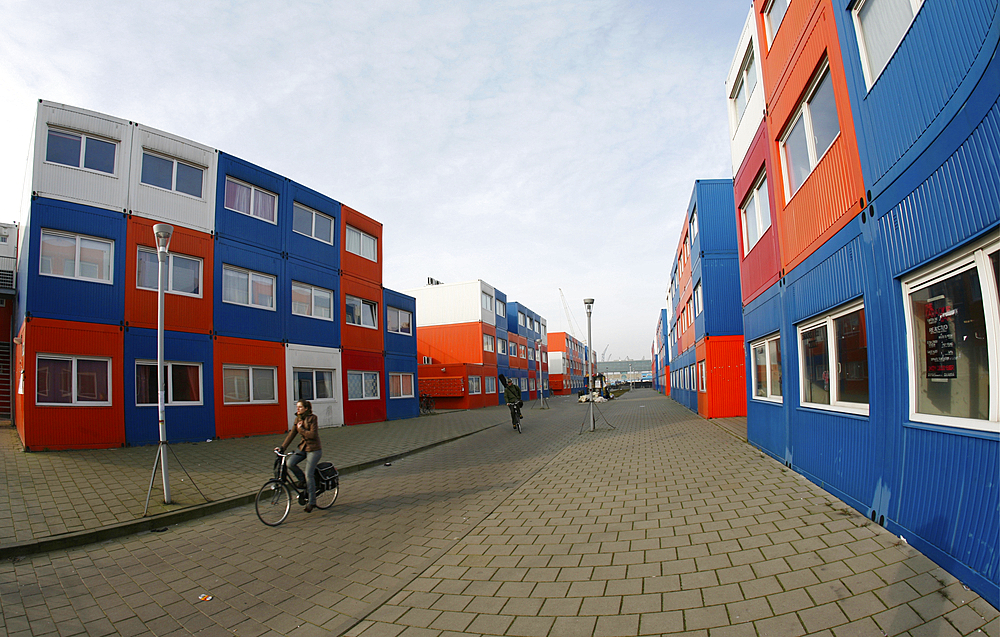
666	524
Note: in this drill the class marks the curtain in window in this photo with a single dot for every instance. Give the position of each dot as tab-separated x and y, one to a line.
184	379
263	205
353	241
237	197
236	286
145	385
883	24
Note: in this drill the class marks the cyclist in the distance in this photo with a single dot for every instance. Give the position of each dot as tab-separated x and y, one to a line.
512	394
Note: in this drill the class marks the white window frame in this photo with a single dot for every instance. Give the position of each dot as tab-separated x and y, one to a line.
475	385
313	289
522	351
168	373
697	299
74	380
521	319
693	224
747	77
365	375
488	343
250	391
760	183
491	384
803	111
250	278
833	360
427	360
768	363
314	213
399	314
976	257
351	231
770	29
253	198
173	174
168	287
872	75
401	375
82	158
531	353
502	346
361	303
76	264
701	377
486	301
501	310
313	371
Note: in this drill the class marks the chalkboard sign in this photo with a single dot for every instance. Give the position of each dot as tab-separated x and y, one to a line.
939	318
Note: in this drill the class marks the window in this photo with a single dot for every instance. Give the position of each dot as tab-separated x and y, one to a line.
400	385
249	384
697	298
531	353
427	360
488	343
246	287
182	274
531	384
953	332
693	224
522	351
522	383
183	383
312	223
487	301
502	346
76	256
251	200
362	244
545	357
766	368
72	380
398	321
475	385
881	25
756	213
811	134
745	85
521	319
361	312
80	151
362	386
312	384
170	174
491	385
501	310
773	15
834	360
309	300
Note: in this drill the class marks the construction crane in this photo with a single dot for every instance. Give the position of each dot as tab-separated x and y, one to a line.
604	354
570	321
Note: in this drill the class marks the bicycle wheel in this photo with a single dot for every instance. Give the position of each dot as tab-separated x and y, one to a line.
326	499
273	502
518	424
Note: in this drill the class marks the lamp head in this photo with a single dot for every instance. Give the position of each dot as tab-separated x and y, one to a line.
162	232
590	304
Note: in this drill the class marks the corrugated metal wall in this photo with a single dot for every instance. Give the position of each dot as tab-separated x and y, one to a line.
245	229
359	411
399	408
361	338
354	264
310	330
762	266
244	321
401	344
249	419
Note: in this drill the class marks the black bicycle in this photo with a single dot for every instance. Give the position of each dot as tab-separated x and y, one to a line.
274	500
515	416
426	404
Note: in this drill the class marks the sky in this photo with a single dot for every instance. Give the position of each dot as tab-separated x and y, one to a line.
549	148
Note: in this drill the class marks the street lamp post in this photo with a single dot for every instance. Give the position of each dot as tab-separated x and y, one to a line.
589	303
162	232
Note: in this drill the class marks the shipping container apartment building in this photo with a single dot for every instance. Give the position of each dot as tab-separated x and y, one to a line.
566	366
706	361
252	318
871	314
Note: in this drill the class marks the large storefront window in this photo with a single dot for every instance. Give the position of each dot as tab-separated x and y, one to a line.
953	332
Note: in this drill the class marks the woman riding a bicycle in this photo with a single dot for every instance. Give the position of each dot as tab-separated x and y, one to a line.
306	425
512	394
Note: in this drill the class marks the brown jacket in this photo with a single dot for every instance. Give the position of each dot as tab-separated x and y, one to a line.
309	428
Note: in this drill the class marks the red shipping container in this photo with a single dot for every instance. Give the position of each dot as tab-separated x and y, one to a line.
725	384
181	312
521	342
833	193
235	416
367	408
361	338
355	264
456	343
97	419
761	268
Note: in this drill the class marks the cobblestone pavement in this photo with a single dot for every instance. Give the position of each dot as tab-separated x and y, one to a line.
665	524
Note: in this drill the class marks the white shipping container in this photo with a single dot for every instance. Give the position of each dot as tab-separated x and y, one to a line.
746	108
311	358
454	303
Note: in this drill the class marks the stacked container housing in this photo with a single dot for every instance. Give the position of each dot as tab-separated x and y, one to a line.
566	373
880	148
250	283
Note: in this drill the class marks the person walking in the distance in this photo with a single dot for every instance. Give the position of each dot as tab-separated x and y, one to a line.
512	394
306	425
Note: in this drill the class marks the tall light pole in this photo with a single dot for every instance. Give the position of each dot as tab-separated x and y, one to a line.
589	303
162	232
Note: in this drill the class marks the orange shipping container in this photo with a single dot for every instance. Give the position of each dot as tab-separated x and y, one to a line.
724	394
68	379
355	255
364	337
249	377
457	343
